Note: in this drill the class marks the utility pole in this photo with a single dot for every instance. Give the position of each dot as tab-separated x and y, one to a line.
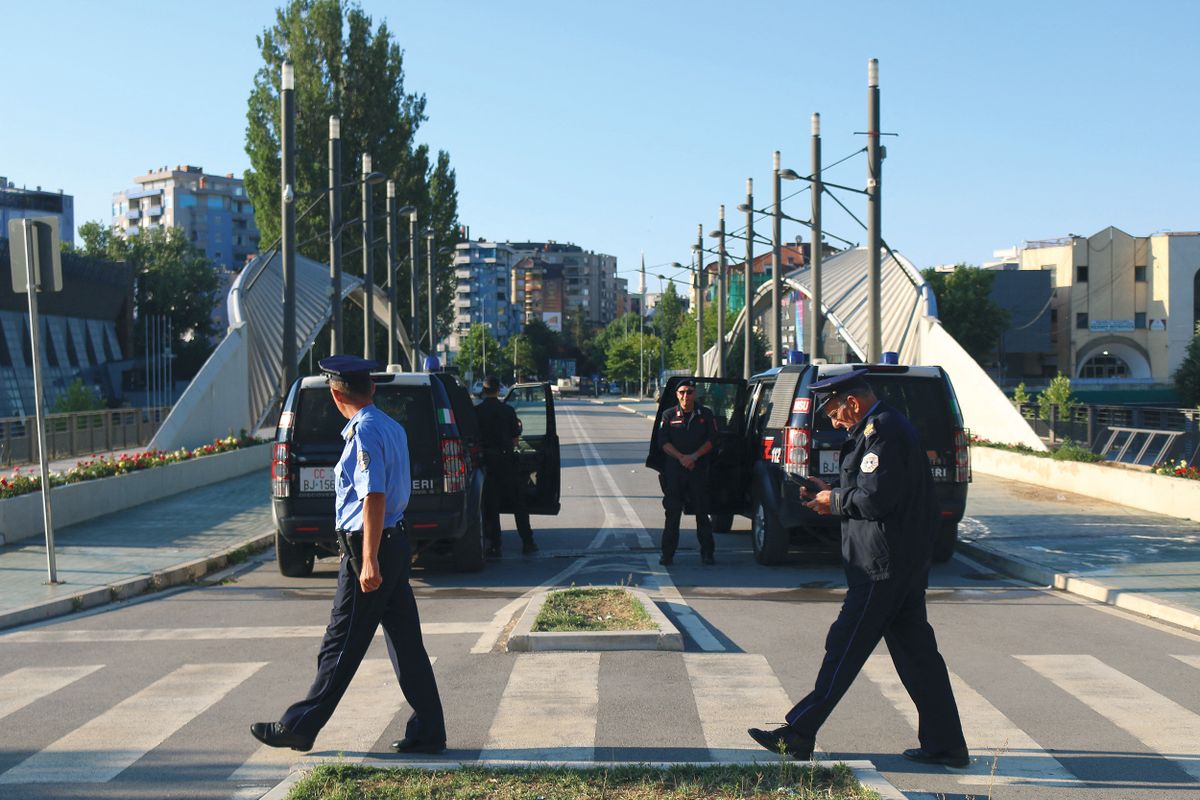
391	271
814	319
429	242
701	287
720	373
776	268
748	355
874	185
414	320
287	186
368	237
335	231
642	331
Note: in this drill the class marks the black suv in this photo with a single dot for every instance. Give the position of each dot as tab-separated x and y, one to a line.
445	509
769	433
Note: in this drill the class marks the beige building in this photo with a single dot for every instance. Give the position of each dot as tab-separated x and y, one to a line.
1123	308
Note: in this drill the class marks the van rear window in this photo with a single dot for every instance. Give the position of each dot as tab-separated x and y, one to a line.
318	422
922	400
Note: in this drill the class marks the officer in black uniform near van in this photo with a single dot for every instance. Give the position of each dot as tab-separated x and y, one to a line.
888	512
686	434
373	484
500	428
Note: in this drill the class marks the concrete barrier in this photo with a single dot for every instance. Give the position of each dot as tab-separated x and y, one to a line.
1161	494
21	517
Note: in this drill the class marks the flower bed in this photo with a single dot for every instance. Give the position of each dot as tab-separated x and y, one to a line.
1178	469
23	482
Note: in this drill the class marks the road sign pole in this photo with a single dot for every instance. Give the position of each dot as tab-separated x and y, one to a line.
39	410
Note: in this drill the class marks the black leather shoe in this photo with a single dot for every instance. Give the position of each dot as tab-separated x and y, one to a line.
664	560
411	745
708	559
949	758
273	734
785	741
529	546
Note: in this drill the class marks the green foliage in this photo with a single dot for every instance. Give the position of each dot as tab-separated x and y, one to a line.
682	354
623	354
1074	451
347	66
1020	394
174	280
520	353
78	397
1187	377
481	354
668	315
1178	469
965	310
1058	393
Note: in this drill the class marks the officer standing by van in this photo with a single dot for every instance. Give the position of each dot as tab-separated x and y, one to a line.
687	434
888	513
500	430
373	486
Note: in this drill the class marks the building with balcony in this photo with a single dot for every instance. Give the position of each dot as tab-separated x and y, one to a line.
588	281
482	286
212	210
21	203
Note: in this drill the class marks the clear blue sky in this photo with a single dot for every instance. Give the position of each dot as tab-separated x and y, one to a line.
620	125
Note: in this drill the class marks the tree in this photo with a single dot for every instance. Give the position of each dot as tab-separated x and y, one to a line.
668	315
78	397
344	65
682	354
544	344
481	353
966	311
1058	393
520	353
174	280
623	353
1187	377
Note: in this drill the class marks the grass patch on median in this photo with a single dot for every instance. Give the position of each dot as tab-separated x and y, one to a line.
592	610
783	779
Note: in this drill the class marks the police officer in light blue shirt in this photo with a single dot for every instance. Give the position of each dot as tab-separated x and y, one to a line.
373	487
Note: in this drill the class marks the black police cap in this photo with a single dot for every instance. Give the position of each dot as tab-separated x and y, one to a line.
845	383
491	384
347	367
686	382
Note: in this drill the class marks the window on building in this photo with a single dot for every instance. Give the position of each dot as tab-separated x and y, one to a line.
1081	320
187	201
5	357
1053	316
217	202
1104	365
51	352
72	354
1081	273
1139	320
1139	274
88	346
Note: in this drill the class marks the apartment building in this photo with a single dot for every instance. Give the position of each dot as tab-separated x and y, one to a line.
20	203
588	281
482	291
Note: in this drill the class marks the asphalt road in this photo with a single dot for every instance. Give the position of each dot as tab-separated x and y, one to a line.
150	699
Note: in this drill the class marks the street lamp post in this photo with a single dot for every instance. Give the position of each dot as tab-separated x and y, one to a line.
391	270
874	217
429	240
701	289
414	320
814	319
335	241
368	238
776	269
642	331
287	148
747	333
721	266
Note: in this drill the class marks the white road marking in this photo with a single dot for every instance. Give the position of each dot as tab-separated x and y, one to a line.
195	634
1192	661
548	711
372	701
733	692
21	687
102	748
658	581
1159	722
993	739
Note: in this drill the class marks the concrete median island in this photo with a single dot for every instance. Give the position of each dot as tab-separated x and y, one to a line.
641	625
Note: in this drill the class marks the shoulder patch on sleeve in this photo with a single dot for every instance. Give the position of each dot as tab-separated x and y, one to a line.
364	459
870	463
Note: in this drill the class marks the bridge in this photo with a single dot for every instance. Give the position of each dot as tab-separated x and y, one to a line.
238	387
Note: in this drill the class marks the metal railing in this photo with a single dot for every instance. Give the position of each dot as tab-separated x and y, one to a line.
1094	426
79	434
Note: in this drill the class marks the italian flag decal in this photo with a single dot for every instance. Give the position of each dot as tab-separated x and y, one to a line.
445	416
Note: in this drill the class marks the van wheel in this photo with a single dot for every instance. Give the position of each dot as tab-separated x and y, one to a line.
468	550
294	560
945	541
722	523
769	538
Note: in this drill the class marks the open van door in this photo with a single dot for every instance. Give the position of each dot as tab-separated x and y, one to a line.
726	398
537	450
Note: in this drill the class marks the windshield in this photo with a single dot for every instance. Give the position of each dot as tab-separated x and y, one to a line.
318	422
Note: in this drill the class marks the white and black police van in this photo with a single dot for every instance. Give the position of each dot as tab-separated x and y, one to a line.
445	511
771	436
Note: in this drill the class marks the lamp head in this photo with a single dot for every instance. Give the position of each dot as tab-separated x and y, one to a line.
744	207
373	178
789	175
406	210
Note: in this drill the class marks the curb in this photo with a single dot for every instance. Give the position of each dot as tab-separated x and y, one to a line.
624	407
524	640
864	771
1092	590
96	596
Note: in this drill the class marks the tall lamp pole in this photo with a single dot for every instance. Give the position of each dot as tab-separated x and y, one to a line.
414	320
429	241
368	238
391	270
721	266
702	288
874	183
642	331
287	147
776	269
748	355
335	239
814	319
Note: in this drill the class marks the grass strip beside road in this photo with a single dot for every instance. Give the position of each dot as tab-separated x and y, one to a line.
784	779
592	610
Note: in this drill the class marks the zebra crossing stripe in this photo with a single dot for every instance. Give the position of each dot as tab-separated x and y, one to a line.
1002	752
733	692
371	703
548	711
101	749
1192	661
196	634
29	684
1159	722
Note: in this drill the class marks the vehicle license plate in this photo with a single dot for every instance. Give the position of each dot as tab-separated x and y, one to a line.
828	461
317	479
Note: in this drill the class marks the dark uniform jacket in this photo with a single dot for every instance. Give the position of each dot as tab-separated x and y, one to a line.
687	431
498	425
885	500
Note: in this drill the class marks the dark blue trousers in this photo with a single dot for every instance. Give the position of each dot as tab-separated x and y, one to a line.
893	610
685	488
352	624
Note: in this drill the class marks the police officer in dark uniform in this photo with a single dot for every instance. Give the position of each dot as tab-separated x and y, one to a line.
500	429
888	510
686	434
373	487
